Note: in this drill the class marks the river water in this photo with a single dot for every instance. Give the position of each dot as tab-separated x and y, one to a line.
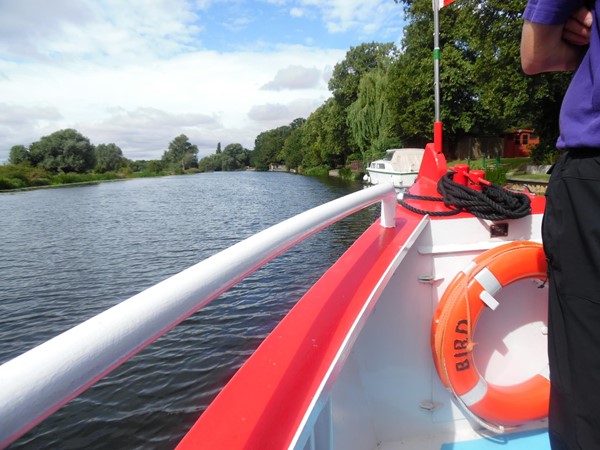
68	254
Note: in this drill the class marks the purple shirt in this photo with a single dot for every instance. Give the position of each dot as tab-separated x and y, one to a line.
580	111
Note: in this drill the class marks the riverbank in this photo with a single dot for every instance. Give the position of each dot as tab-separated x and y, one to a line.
59	186
346	174
15	178
536	185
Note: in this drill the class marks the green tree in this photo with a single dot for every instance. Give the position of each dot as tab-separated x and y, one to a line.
383	97
297	123
411	93
490	35
483	90
268	147
18	155
109	157
63	151
345	85
211	163
345	80
293	148
369	117
310	140
510	99
218	148
317	135
155	166
410	97
235	157
336	143
547	91
326	139
181	154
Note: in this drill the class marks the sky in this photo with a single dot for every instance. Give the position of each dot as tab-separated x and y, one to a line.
138	73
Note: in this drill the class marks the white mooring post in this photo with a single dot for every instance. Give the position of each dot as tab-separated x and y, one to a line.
388	211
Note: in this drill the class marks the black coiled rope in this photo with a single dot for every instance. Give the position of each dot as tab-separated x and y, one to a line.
492	203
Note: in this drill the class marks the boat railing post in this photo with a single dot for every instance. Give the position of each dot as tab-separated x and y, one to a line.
388	210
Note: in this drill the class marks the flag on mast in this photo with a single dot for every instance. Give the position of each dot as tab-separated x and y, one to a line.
443	3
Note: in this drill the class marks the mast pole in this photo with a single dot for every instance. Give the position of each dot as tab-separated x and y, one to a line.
437	126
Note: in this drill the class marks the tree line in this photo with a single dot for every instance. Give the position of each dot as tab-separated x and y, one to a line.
382	95
68	151
66	156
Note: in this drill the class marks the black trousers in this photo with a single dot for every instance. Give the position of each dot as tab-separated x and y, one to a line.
571	237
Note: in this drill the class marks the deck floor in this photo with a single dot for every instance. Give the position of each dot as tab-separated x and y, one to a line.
526	440
531	439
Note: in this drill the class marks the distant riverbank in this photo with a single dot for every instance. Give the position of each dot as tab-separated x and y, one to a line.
15	178
22	178
57	186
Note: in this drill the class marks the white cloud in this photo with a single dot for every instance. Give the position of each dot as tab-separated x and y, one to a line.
268	112
367	17
297	12
205	95
18	35
146	132
17	121
327	73
136	73
283	113
111	29
237	24
294	77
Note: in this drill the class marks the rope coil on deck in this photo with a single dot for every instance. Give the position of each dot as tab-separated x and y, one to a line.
492	203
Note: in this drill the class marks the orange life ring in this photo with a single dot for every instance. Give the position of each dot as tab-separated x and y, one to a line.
453	326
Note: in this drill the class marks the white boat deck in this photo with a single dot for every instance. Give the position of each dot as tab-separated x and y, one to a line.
388	394
524	440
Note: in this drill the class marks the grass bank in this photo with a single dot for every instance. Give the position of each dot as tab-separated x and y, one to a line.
17	177
505	170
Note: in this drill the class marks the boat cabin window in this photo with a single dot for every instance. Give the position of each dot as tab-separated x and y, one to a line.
381	166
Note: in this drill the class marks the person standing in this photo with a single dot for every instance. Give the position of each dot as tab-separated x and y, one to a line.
563	35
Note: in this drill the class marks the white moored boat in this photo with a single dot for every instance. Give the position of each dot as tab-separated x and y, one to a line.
379	354
399	166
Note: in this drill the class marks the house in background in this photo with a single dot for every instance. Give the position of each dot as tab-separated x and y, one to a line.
519	143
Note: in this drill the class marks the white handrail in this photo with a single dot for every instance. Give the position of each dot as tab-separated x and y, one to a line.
38	382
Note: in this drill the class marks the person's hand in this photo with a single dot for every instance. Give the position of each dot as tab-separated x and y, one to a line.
578	28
